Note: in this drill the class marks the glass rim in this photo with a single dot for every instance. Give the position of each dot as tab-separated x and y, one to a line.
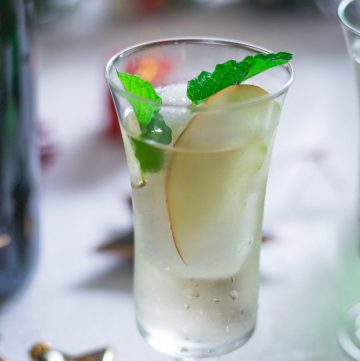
194	40
343	19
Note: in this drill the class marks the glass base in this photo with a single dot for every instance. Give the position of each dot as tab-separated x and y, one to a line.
349	332
182	353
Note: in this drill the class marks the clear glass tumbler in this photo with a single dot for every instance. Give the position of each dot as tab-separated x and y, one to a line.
349	15
198	201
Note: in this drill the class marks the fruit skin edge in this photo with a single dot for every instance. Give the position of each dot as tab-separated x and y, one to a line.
169	214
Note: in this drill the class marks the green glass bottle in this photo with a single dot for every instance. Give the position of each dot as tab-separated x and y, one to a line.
18	162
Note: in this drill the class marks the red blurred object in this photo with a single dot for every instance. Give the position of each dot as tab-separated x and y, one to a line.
48	151
152	5
150	68
113	127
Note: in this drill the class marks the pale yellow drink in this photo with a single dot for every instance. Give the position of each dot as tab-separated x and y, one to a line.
198	222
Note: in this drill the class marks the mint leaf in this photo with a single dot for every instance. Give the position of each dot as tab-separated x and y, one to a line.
207	84
135	85
232	73
262	62
151	159
157	130
151	122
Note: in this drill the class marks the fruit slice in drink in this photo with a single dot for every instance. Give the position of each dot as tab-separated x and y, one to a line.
215	185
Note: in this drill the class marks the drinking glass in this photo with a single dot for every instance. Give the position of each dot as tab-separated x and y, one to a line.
349	15
198	201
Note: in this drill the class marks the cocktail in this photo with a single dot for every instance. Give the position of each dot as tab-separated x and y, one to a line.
349	15
198	144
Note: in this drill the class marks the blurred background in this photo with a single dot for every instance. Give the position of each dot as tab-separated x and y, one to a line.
79	296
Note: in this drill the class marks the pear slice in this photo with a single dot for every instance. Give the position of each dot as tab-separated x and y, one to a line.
221	161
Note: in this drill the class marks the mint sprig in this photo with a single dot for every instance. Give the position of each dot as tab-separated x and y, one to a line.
151	122
152	159
134	85
157	130
232	73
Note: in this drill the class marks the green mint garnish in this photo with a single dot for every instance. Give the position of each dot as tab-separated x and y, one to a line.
157	130
136	86
232	73
151	159
151	122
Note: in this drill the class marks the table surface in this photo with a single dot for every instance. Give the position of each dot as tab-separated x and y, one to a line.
79	299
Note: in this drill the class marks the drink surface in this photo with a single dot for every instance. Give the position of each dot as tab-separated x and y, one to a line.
198	226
